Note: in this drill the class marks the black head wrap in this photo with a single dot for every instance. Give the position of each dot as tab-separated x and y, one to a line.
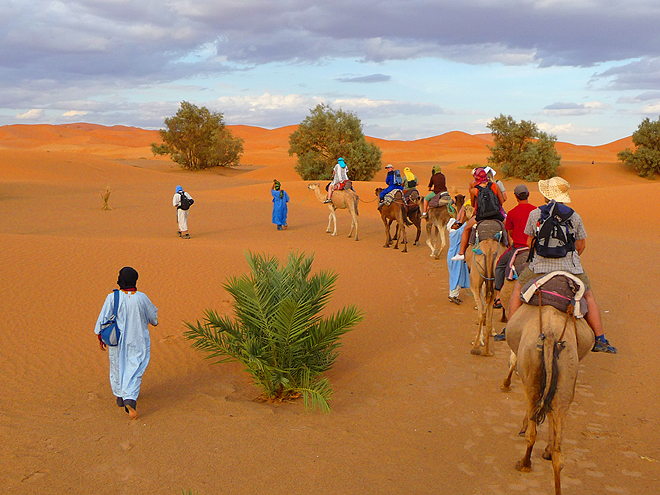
127	278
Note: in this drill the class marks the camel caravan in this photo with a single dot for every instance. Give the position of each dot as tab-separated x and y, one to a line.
525	262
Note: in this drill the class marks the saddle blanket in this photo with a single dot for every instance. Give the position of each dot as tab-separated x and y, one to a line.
442	199
558	289
517	263
489	229
389	197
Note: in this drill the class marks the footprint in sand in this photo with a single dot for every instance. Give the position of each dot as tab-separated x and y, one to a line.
34	476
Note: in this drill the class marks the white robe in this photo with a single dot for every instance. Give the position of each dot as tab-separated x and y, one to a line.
130	357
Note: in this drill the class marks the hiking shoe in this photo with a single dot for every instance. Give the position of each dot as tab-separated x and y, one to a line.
424	215
186	236
458	257
327	201
497	304
500	336
603	346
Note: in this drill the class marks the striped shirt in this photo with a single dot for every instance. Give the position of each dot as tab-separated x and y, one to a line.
570	263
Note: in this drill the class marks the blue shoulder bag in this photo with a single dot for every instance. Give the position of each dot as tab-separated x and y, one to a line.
109	330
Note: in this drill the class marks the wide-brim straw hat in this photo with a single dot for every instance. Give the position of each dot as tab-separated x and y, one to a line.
555	188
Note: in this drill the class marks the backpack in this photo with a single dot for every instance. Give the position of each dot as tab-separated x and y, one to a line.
186	202
109	330
397	178
412	183
553	238
488	206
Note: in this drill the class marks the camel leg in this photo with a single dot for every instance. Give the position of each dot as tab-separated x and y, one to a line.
525	464
523	428
443	241
405	238
396	235
354	225
488	326
334	219
553	450
388	239
429	236
506	385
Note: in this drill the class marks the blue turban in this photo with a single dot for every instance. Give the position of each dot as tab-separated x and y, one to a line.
179	189
341	163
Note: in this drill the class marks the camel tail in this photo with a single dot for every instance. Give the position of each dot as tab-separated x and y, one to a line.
549	377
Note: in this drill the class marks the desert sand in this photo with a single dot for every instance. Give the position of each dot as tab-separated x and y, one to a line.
413	411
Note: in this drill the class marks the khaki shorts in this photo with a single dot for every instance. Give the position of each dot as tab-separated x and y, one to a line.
528	275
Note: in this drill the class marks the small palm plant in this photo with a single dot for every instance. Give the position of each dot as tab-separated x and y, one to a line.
105	197
279	333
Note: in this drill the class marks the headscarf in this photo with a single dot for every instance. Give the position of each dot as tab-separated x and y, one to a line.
435	170
179	189
409	175
480	176
127	278
277	186
341	163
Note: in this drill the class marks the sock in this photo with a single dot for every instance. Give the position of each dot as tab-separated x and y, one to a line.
601	338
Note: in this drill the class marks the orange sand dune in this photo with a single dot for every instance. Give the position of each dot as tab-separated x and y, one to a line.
413	411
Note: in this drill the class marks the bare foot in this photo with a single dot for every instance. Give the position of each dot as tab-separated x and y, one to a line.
132	413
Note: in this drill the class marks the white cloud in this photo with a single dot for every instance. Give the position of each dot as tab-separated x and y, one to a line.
651	109
73	113
34	114
567	130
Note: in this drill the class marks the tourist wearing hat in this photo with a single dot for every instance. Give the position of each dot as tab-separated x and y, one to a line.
280	208
393	180
491	173
437	185
182	206
339	178
555	190
130	357
515	224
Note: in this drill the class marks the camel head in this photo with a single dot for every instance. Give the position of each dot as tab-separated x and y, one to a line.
313	186
459	200
378	190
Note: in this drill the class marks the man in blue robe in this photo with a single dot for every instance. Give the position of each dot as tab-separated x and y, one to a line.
280	209
130	357
459	277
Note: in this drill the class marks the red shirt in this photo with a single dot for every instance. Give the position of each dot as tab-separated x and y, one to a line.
516	220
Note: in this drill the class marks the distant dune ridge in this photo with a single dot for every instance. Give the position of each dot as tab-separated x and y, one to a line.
412	410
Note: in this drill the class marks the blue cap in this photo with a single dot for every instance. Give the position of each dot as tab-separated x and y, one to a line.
179	188
341	162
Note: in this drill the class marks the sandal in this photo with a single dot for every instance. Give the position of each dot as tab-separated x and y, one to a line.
497	304
455	300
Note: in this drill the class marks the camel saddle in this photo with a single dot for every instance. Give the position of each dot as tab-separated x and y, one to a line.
489	229
517	263
389	197
411	198
442	199
558	289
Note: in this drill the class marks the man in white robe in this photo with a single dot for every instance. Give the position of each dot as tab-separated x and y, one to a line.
130	357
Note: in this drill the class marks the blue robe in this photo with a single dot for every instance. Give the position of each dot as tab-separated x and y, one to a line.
458	272
279	207
130	357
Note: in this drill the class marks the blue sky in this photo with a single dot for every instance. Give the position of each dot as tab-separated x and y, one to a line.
585	71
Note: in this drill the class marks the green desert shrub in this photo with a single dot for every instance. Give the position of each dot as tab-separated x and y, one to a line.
278	331
645	159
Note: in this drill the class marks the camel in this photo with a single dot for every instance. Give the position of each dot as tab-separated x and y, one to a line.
394	212
341	199
548	368
482	280
436	225
414	214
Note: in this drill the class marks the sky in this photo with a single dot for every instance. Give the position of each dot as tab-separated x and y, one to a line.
587	72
